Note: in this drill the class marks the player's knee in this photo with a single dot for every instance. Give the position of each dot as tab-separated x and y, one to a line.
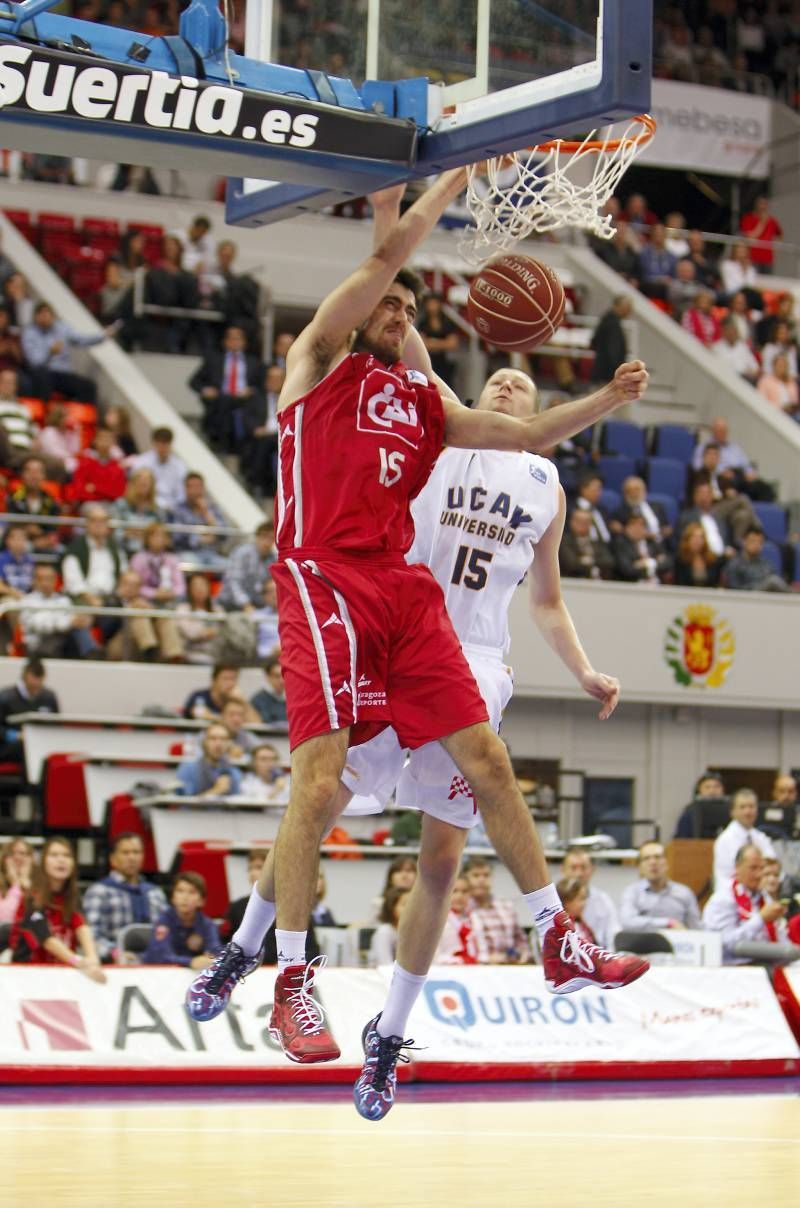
439	868
491	768
320	791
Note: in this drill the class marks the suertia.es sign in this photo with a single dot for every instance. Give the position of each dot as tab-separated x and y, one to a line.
55	84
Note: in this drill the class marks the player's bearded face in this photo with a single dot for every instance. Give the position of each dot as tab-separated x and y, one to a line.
385	332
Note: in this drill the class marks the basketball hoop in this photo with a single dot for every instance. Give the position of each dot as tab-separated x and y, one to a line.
544	187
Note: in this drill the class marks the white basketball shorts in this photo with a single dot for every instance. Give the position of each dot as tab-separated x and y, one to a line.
428	780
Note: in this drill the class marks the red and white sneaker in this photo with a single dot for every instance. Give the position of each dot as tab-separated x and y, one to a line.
570	963
298	1021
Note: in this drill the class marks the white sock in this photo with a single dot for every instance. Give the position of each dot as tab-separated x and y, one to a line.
259	915
403	993
291	947
544	904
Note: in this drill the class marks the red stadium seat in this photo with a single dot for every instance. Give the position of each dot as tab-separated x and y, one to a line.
208	858
66	806
123	817
49	221
36	408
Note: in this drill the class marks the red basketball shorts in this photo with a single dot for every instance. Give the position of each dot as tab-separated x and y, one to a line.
368	643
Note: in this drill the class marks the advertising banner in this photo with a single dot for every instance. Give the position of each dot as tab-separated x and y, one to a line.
479	1021
709	130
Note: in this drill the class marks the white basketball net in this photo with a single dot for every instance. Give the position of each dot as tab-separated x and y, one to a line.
558	184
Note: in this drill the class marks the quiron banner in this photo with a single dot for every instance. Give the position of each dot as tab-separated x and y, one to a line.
475	1021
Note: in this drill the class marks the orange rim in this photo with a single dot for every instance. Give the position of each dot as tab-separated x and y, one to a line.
648	124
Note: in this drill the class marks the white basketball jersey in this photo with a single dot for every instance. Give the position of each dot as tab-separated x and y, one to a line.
477	520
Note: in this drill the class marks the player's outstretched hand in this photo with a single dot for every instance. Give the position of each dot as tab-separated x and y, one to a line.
604	688
631	380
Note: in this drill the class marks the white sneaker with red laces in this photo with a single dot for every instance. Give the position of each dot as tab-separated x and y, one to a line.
570	963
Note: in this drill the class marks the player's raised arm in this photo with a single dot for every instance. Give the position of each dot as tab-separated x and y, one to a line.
352	302
468	429
554	621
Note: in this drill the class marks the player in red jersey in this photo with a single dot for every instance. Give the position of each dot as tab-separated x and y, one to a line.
365	638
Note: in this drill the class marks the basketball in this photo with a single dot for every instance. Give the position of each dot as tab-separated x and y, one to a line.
516	303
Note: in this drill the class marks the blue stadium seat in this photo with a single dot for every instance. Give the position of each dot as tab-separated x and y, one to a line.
773	554
670	505
796	562
772	518
620	436
666	476
675	441
614	469
610	501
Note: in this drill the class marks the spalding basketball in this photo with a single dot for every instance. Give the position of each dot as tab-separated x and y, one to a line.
516	303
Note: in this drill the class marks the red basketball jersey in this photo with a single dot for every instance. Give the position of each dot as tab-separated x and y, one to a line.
353	453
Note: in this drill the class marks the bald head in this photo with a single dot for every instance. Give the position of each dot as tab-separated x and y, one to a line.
511	392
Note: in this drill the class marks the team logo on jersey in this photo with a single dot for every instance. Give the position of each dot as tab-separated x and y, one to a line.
386	405
538	473
333	619
459	787
699	647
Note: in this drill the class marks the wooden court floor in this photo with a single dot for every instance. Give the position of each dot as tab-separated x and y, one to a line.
709	1151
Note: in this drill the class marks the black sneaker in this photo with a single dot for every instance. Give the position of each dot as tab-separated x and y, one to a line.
210	992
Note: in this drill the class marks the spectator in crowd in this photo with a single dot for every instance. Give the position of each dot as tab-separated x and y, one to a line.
15	416
19	301
705	271
739	910
27	695
113	294
599	913
574	896
233	715
739	275
10	347
784	792
740	830
636	503
684	289
618	254
702	512
657	264
92	566
168	469
497	935
162	581
16	563
733	508
783	313
700	321
139	637
198	246
235	913
118	419
733	351
780	344
609	343
732	457
779	388
235	294
6	268
259	463
248	570
383	945
749	570
212	774
456	946
46	344
31	498
265	780
280	347
590	489
695	563
439	335
137	508
205	704
638	557
266	618
739	311
708	785
677	243
197	509
59	439
48	928
580	556
322	914
270	701
123	897
639	214
401	874
183	934
16	877
168	284
99	475
759	224
654	902
228	382
54	632
197	634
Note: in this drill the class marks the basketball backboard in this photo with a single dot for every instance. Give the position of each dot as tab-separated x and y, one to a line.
492	76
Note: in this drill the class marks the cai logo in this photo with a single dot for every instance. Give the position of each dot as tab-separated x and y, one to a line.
699	647
449	1002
